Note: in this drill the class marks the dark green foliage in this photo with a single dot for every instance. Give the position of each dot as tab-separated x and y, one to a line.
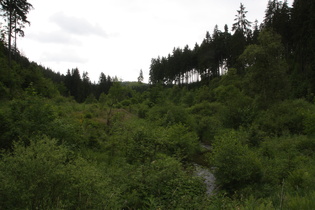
237	166
73	83
185	66
208	118
266	79
162	184
5	134
303	24
31	116
299	202
168	115
46	175
278	18
142	146
180	142
288	163
28	117
238	106
288	117
142	111
140	143
117	93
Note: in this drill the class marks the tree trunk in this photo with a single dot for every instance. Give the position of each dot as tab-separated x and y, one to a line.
9	35
15	33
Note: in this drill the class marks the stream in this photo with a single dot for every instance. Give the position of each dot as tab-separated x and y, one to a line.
206	174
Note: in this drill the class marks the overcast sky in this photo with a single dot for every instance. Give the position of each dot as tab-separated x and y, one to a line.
120	37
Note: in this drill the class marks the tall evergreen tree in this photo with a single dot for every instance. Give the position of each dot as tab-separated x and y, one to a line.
303	29
102	85
15	13
241	24
239	39
140	78
73	83
278	18
254	38
270	12
85	90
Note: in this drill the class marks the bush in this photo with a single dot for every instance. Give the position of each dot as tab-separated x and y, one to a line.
167	115
5	134
239	106
296	202
46	175
143	110
4	91
28	117
309	122
236	165
286	159
180	142
208	119
163	184
287	117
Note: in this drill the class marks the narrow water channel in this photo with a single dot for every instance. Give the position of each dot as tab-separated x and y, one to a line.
207	176
205	173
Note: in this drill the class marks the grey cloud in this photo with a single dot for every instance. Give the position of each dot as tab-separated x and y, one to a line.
77	26
68	56
56	37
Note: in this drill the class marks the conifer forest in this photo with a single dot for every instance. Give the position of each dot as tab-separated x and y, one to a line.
227	124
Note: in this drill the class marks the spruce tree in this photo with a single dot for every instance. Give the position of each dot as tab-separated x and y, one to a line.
140	78
15	13
241	24
303	42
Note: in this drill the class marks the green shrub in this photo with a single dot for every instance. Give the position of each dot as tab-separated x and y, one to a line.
5	132
126	102
287	161
31	116
309	122
167	115
236	165
4	91
180	142
88	115
208	119
142	111
163	184
287	117
239	109
46	175
297	202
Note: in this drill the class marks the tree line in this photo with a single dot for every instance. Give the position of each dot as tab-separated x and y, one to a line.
78	85
14	13
221	51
